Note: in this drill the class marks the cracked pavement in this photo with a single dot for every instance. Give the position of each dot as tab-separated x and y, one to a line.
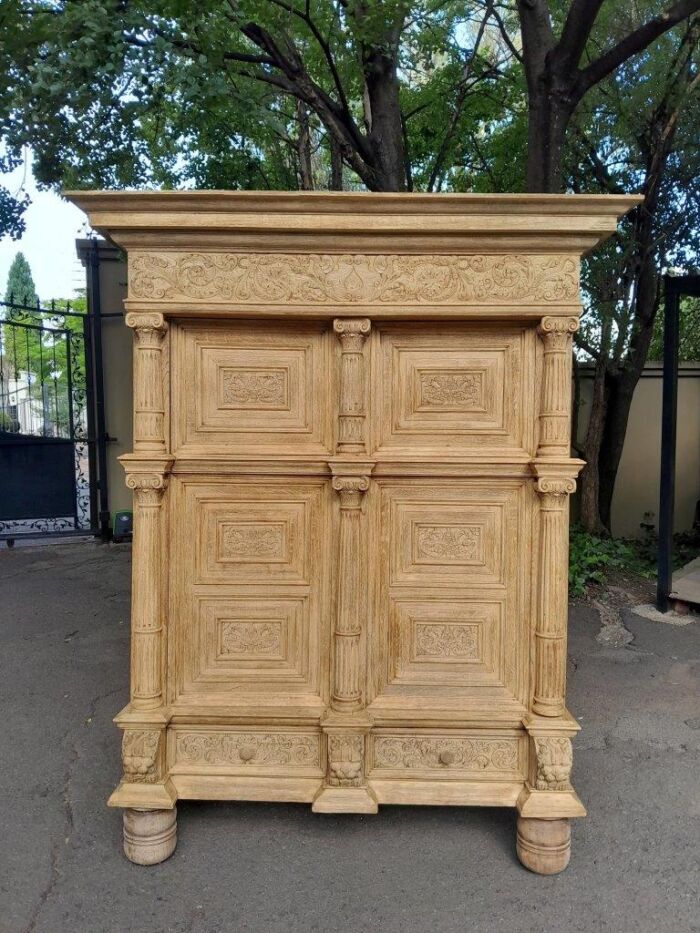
263	868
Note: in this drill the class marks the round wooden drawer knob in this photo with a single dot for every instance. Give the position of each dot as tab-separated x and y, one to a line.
447	757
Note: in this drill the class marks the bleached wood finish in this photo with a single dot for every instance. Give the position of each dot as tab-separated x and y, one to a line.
351	478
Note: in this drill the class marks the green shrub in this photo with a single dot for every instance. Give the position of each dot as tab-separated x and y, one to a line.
591	557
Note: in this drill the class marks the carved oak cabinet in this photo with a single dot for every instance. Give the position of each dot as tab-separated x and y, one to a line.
351	477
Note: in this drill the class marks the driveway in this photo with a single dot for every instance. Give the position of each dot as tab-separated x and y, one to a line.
264	868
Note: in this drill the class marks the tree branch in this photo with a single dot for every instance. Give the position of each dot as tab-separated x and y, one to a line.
635	42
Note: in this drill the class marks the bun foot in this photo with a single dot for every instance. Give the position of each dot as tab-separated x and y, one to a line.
150	836
544	846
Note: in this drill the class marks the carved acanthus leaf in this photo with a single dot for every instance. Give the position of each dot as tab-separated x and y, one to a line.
554	760
349	279
345	759
140	748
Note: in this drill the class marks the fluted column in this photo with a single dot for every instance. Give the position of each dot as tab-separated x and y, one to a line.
146	589
150	329
352	333
346	691
555	410
550	634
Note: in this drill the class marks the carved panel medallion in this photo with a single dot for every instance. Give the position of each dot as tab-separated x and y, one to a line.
451	390
451	544
251	639
448	640
252	541
254	388
346	279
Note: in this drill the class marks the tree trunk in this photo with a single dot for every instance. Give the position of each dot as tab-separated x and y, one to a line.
590	511
335	182
383	121
306	175
549	112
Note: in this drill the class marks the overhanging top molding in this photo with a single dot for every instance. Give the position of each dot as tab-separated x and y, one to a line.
353	222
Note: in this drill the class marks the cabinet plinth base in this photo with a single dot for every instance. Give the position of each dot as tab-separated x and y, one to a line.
345	800
543	846
150	836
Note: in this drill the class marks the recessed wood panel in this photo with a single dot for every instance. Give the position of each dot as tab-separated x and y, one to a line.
252	751
251	591
457	388
421	755
449	594
247	385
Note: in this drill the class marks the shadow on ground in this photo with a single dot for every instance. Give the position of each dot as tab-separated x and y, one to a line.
261	868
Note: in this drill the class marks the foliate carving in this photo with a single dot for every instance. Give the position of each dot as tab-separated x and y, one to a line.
345	756
254	388
251	639
351	489
455	543
465	754
554	760
249	541
248	748
458	389
140	750
447	640
348	279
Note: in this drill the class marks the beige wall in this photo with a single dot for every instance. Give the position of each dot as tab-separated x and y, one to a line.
637	487
637	490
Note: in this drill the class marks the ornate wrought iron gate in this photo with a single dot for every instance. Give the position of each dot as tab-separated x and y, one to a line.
48	438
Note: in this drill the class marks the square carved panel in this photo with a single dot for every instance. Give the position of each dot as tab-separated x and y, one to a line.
252	385
459	388
450	641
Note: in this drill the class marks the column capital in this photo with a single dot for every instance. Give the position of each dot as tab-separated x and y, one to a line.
552	326
147	321
351	489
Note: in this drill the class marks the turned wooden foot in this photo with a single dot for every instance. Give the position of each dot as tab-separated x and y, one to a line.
544	846
150	836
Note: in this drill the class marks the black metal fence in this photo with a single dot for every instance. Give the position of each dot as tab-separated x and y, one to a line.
48	435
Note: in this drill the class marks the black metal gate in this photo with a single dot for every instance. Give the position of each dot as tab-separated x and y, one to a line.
47	422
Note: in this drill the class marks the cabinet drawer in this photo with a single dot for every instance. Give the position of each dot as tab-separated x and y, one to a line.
423	755
245	751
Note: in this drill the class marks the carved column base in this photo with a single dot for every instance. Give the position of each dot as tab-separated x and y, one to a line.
150	836
544	846
345	800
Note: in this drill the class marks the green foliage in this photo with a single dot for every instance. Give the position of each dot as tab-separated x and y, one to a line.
592	558
20	283
689	332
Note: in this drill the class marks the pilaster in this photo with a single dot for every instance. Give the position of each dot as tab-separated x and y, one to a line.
352	413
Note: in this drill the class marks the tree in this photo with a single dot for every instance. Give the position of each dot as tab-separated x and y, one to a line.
20	284
248	93
561	69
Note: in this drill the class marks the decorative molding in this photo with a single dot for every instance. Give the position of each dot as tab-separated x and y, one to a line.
345	760
554	759
448	640
248	638
248	749
140	752
456	543
350	279
463	754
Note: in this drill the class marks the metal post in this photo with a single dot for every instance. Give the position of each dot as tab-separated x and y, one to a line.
95	309
668	443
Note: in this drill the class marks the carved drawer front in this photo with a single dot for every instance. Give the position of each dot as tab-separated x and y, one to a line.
458	388
251	386
451	591
450	756
251	588
251	751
